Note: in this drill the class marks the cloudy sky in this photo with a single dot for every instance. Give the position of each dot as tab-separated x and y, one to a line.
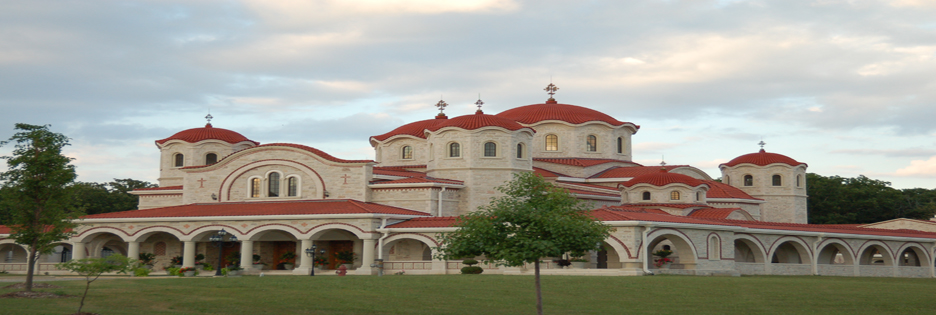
847	86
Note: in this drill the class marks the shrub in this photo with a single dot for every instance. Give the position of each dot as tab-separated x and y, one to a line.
470	262
141	272
207	267
471	270
174	271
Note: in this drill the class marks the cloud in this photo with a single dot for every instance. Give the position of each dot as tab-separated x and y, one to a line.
919	168
888	153
645	147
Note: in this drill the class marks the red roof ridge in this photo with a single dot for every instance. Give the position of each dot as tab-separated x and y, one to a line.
476	121
662	178
552	110
583	162
195	135
762	158
632	171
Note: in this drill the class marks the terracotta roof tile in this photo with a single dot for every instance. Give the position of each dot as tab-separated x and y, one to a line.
415	180
306	207
763	158
208	132
714	213
722	190
827	228
668	205
633	171
398	173
546	173
476	121
587	192
662	178
552	110
416	129
405	168
426	222
611	189
582	162
5	229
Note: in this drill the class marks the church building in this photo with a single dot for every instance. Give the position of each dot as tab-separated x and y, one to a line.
282	198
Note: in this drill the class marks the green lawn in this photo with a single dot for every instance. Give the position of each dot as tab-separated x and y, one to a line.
490	294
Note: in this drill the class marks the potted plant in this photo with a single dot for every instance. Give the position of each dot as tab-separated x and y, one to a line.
233	259
288	259
147	260
663	262
199	264
256	262
188	272
176	261
578	262
232	271
320	262
345	257
471	269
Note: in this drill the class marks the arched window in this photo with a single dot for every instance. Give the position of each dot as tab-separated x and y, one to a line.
254	188
552	143
490	149
407	152
179	160
620	145
106	251
292	186
591	143
727	180
777	180
66	255
273	182
798	181
714	248
646	195
674	195
519	150
454	150
748	180
698	196
211	158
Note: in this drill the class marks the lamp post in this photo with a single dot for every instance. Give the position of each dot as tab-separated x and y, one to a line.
311	253
218	240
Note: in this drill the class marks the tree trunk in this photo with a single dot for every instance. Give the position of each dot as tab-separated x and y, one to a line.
539	293
31	266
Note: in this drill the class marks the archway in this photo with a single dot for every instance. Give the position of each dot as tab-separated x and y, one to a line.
835	253
684	253
408	252
747	251
875	254
338	242
790	252
164	244
912	256
608	257
11	253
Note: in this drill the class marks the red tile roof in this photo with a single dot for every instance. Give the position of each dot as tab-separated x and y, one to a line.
663	178
5	229
668	205
610	189
426	222
416	129
161	188
552	110
476	121
722	190
399	167
827	228
309	149
546	173
588	192
610	214
633	171
392	172
416	180
763	158
714	213
306	207
582	162
208	132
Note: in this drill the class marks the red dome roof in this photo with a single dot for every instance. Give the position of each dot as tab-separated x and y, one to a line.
476	121
552	110
763	158
208	132
415	129
663	178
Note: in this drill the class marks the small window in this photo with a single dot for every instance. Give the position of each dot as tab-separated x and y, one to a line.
727	180
591	143
798	179
292	186
211	158
714	247
274	185
159	249
646	195
674	195
179	160
490	149
552	143
748	180
620	145
777	180
698	196
519	150
454	150
407	152
254	188
666	247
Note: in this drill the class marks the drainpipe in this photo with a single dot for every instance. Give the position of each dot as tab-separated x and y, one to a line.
646	251
815	254
439	210
383	226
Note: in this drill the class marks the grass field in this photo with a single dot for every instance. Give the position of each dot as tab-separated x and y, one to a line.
489	294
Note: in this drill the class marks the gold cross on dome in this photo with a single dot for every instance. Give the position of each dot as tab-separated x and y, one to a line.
551	90
441	105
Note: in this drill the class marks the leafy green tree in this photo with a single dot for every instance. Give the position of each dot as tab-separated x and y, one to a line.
841	200
93	268
532	220
36	191
113	196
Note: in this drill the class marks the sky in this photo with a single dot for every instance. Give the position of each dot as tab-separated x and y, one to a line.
848	87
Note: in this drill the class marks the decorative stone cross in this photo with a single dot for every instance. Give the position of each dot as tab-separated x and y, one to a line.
441	105
551	89
201	183
345	176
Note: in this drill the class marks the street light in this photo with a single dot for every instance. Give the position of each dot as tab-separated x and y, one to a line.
311	253
218	240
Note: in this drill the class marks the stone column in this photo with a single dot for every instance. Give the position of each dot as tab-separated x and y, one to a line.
305	262
78	250
439	266
367	257
246	255
133	250
188	254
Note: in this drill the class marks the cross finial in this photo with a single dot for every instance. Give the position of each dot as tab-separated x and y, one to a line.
662	161
551	90
209	117
761	144
479	103
441	105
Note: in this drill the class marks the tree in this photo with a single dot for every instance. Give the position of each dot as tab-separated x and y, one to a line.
840	200
113	196
36	191
93	268
532	220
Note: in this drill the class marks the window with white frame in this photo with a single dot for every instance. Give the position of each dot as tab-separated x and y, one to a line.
591	143
490	149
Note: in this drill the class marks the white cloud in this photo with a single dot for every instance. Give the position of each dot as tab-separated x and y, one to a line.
919	168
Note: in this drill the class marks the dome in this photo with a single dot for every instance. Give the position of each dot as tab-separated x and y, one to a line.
208	132
552	110
415	129
663	178
763	158
476	121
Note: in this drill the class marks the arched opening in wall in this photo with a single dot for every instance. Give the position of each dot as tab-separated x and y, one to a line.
178	160
112	247
13	253
211	158
714	248
911	257
683	255
777	180
591	143
834	254
103	244
406	253
607	257
454	150
674	195
747	251
790	252
552	143
61	252
163	245
255	187
875	255
620	145
273	183
519	150
339	244
698	196
406	153
748	180
272	245
292	186
490	149
645	195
